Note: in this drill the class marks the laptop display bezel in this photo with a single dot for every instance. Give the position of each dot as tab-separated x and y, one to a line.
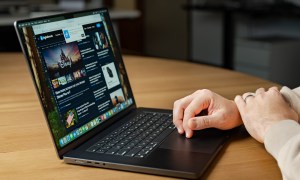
99	128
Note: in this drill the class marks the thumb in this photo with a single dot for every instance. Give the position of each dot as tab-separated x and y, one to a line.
202	122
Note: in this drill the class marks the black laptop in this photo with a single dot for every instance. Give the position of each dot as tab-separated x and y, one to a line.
78	71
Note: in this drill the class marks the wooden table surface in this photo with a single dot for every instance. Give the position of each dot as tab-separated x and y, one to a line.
27	152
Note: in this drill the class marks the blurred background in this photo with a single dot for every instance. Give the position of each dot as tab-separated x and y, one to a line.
258	37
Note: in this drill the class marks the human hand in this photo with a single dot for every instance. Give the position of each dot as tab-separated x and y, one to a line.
221	112
260	110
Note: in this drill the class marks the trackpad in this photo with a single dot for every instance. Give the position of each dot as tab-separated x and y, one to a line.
204	141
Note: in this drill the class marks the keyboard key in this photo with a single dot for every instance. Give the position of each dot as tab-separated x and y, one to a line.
93	149
144	151
153	144
127	147
117	147
162	136
106	147
142	144
136	138
149	147
121	152
112	151
139	155
133	152
101	151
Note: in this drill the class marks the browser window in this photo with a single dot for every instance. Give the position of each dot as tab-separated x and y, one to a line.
83	84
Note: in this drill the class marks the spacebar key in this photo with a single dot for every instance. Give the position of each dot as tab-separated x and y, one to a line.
163	135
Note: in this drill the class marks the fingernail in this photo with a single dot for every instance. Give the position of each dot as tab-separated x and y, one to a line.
180	131
187	135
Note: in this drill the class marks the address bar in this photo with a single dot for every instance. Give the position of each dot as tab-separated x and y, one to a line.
58	25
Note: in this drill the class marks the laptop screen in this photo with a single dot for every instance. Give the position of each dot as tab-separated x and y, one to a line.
78	71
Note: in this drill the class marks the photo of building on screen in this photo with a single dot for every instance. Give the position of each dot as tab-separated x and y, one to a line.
64	64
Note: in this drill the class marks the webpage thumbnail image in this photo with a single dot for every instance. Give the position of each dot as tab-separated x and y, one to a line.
64	64
70	118
117	97
100	40
110	75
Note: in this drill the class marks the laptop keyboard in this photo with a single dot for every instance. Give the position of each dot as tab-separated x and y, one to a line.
136	138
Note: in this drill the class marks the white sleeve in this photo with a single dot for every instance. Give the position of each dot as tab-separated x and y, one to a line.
282	141
292	97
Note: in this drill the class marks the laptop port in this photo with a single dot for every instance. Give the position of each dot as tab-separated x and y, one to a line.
79	161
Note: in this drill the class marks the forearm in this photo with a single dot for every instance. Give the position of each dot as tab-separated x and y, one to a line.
282	140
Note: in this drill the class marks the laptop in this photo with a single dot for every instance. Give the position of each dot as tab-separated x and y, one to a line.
80	78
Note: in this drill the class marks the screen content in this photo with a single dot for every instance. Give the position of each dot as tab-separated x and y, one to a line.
78	72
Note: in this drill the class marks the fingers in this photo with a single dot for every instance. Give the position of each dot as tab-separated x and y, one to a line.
188	107
248	96
274	90
178	112
247	99
251	96
259	91
195	107
240	103
202	122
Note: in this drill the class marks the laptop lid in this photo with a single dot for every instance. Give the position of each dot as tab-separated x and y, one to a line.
78	71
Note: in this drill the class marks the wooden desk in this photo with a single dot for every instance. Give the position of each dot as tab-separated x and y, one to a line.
27	152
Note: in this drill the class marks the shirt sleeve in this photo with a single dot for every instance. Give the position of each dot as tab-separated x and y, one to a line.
292	97
282	140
